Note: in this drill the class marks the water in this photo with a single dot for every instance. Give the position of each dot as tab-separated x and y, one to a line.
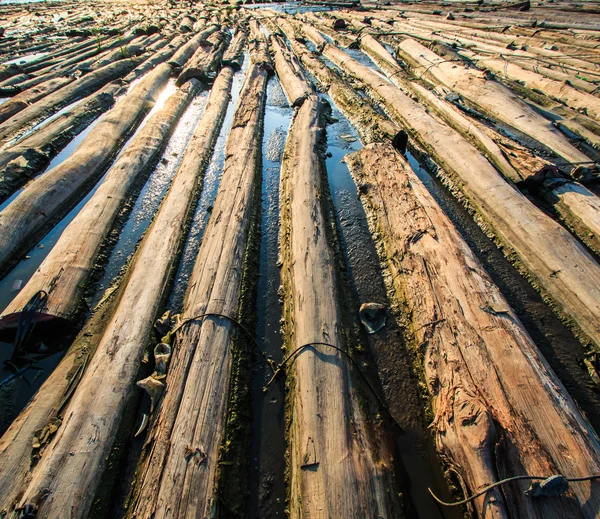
23	60
267	452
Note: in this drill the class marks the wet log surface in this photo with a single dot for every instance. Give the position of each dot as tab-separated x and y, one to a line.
178	476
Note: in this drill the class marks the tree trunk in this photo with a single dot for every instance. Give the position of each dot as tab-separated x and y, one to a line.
337	465
205	62
499	409
178	473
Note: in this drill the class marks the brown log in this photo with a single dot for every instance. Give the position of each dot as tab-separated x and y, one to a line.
177	477
491	98
499	410
294	82
205	62
32	154
110	377
28	216
186	51
65	271
337	468
234	55
62	97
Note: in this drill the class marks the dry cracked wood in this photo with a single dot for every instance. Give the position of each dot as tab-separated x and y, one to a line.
178	475
98	406
499	411
338	466
48	196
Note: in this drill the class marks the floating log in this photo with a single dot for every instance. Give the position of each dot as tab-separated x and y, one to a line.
186	51
24	99
178	474
110	377
46	198
540	247
294	82
499	410
234	55
32	154
63	96
337	467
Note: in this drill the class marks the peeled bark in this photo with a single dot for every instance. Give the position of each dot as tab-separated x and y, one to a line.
65	271
49	196
337	468
553	260
177	477
499	409
62	97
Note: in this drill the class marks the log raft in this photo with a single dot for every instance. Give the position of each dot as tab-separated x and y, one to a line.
547	257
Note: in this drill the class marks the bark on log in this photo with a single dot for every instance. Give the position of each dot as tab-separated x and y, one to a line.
28	216
25	99
62	97
110	377
32	154
499	409
370	124
65	271
337	465
491	98
556	264
185	53
177	476
234	56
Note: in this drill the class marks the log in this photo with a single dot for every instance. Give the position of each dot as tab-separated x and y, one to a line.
110	377
49	196
65	271
234	55
32	154
186	51
177	476
69	93
205	62
24	99
491	98
554	262
337	468
499	410
370	124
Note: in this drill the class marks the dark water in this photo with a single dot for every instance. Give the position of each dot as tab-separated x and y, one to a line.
267	455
